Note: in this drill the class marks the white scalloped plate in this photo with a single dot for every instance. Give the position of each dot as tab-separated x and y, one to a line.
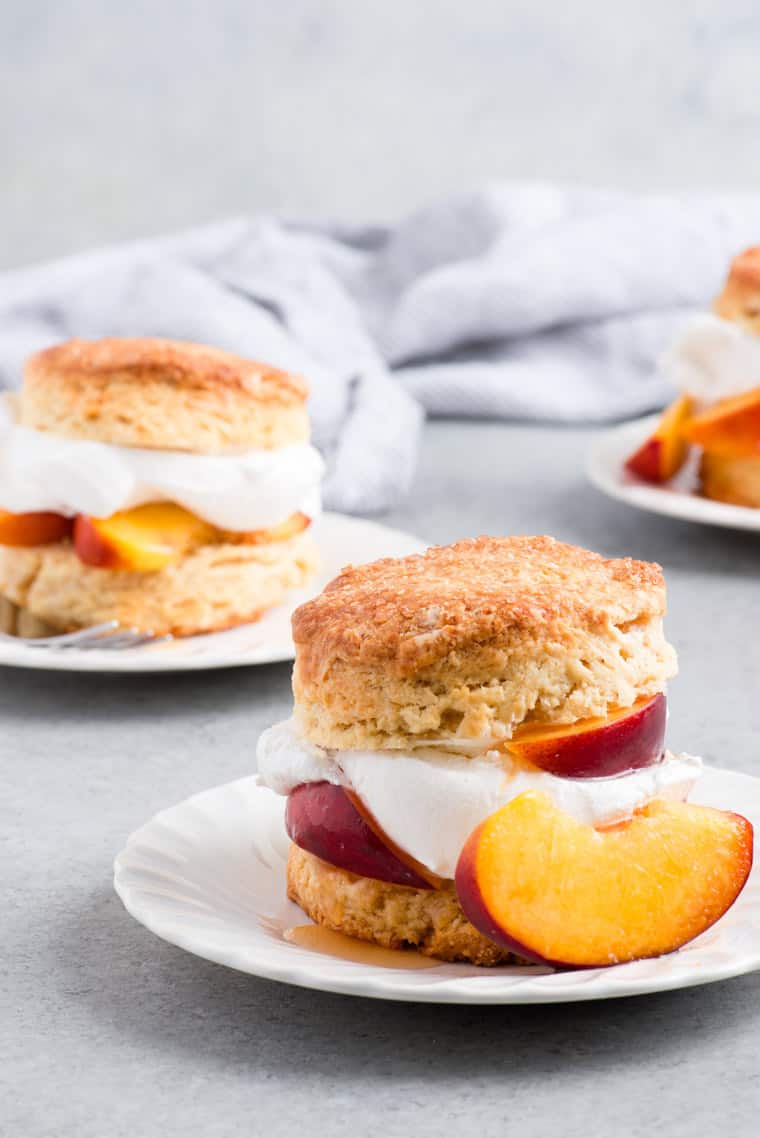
605	468
209	876
341	540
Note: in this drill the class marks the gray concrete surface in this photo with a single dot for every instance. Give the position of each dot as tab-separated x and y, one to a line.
109	1033
119	120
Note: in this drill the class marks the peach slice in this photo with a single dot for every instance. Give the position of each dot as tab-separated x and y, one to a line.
416	867
730	428
150	537
533	879
292	526
629	738
33	529
322	819
143	539
663	454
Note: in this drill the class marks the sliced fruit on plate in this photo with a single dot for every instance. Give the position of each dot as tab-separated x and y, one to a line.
143	539
33	529
629	738
663	454
730	428
533	879
150	537
321	818
291	527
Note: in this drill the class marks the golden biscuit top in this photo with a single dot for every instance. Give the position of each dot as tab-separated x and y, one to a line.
184	365
746	267
413	612
739	301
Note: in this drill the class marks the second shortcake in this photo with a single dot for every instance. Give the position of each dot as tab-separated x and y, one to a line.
169	486
476	763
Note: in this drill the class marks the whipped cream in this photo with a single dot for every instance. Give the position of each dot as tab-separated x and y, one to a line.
712	359
429	802
242	490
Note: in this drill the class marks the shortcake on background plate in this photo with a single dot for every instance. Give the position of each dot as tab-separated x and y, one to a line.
168	486
715	363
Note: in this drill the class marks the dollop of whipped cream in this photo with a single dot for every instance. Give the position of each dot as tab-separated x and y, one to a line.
712	359
241	490
429	802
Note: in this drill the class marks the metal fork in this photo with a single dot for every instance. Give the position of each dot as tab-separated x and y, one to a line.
107	637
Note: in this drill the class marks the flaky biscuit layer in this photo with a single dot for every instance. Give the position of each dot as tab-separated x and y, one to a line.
393	916
215	587
732	480
161	394
470	640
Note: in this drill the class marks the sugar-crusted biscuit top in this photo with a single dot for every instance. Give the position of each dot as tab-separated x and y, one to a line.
746	266
740	299
164	394
413	611
173	361
471	640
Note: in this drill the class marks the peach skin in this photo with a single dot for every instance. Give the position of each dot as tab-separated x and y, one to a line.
534	880
730	428
322	819
33	529
663	454
433	880
629	738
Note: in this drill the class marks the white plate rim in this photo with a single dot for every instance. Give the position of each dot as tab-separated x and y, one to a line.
605	470
218	649
459	984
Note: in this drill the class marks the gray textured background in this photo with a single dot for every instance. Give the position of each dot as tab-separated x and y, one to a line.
124	119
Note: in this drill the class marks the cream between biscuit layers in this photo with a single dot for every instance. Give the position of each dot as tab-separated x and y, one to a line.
428	801
712	359
241	491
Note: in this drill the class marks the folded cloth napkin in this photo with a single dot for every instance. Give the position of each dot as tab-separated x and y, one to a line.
515	301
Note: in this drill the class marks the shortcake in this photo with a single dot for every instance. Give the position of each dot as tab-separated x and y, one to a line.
476	765
714	361
169	486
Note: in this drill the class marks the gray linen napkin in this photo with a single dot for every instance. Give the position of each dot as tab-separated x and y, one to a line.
515	301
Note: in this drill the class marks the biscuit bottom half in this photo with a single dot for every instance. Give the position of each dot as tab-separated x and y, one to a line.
393	916
213	588
730	479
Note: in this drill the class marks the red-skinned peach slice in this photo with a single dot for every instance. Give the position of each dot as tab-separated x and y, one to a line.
433	880
551	889
731	428
663	454
629	738
33	529
322	819
143	539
